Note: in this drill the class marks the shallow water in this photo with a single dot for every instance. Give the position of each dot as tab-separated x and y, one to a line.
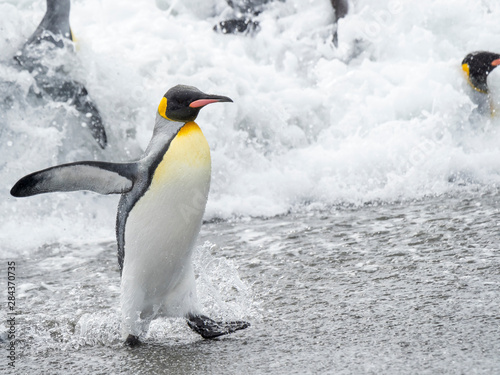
400	288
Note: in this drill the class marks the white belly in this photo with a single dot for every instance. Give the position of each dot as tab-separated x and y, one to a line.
161	231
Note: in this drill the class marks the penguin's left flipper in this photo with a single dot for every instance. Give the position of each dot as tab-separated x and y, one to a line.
210	329
100	177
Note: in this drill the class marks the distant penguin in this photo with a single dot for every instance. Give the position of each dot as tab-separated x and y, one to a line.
341	8
477	66
244	11
52	33
159	215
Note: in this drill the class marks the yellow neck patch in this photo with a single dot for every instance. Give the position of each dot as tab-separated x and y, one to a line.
162	108
465	68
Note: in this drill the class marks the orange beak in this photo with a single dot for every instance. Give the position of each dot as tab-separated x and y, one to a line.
208	99
203	102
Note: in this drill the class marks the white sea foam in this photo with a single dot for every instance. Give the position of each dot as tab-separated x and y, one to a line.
386	116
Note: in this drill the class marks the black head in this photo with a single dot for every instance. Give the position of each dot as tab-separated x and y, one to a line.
477	66
183	103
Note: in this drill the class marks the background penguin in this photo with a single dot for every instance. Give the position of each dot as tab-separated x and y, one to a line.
246	10
243	12
159	215
54	32
477	66
341	8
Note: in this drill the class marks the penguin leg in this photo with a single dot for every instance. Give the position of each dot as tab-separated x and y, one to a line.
210	329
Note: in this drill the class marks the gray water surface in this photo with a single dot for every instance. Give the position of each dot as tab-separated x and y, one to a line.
407	288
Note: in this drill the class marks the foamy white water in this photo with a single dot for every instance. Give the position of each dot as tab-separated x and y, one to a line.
386	116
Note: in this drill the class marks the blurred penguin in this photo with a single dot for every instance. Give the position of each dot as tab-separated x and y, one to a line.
341	8
242	18
477	67
245	11
51	35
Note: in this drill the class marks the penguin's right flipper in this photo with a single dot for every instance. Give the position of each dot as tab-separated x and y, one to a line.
100	177
63	90
210	329
91	116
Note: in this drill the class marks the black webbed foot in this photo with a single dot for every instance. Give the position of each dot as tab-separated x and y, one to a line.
210	329
132	341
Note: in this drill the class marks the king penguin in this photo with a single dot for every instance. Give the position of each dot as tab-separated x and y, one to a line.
477	66
53	33
163	198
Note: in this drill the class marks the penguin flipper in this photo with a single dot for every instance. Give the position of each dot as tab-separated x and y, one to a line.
91	115
210	329
63	90
100	177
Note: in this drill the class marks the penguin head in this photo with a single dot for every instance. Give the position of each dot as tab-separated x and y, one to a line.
183	103
477	66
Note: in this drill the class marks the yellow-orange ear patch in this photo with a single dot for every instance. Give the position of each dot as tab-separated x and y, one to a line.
465	68
162	108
